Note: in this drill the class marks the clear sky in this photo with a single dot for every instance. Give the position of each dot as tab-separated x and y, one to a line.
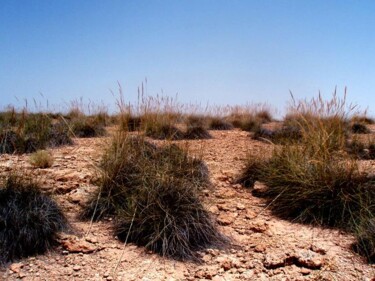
221	52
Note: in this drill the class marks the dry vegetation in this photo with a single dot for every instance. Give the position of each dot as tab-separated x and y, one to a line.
152	192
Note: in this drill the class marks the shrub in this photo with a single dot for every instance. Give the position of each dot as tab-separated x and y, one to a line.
360	149
216	123
264	116
32	132
362	119
41	159
130	123
162	131
365	244
359	128
10	141
250	124
314	180
29	220
87	128
59	135
153	194
196	132
279	136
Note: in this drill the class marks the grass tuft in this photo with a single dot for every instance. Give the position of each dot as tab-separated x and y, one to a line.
29	220
217	123
41	159
314	180
153	193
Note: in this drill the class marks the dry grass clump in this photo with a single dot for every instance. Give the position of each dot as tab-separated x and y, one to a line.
196	127
249	118
279	136
87	128
129	122
153	193
29	220
27	132
365	244
359	149
41	159
314	180
360	128
362	119
218	123
163	131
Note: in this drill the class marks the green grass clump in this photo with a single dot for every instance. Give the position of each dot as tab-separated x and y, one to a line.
153	194
314	180
29	220
41	159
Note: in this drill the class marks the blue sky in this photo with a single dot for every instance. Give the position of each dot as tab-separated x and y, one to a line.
221	52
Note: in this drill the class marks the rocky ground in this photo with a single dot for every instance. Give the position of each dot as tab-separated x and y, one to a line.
263	246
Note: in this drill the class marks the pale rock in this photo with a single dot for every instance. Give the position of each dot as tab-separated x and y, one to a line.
309	259
227	218
16	267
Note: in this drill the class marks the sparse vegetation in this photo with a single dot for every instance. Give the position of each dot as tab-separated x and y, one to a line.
314	180
29	220
87	128
217	123
25	132
360	128
153	192
41	159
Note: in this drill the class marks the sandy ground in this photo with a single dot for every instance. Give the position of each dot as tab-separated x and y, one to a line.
263	247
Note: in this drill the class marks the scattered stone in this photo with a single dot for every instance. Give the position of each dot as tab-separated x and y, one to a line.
16	267
257	226
309	259
75	245
76	268
305	271
227	218
223	207
218	278
260	248
274	260
240	206
318	249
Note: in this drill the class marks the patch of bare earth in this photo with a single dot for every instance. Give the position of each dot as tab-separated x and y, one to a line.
263	246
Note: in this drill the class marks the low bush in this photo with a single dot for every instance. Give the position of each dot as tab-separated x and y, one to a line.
87	128
153	193
32	132
363	119
196	132
284	135
360	149
59	135
359	128
162	131
29	220
264	116
41	159
315	180
365	244
217	123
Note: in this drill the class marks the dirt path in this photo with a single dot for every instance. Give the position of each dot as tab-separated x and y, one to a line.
264	247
